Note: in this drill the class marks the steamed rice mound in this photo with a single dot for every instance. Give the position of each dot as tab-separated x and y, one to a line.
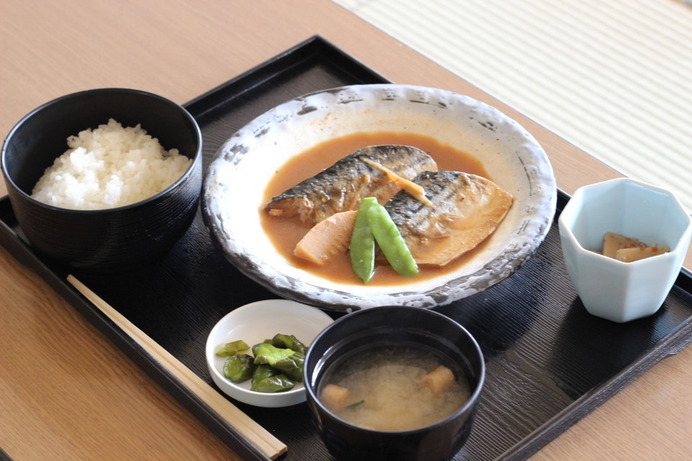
108	167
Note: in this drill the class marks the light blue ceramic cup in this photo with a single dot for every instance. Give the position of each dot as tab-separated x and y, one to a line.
612	289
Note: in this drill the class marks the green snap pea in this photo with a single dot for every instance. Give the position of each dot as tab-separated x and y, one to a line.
362	246
390	241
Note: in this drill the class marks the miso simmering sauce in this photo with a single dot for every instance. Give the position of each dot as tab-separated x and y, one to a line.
286	233
385	389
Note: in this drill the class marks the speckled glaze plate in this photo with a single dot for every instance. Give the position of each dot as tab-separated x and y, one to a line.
236	179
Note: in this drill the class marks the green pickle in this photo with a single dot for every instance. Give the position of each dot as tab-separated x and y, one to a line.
266	378
266	353
292	366
239	367
275	366
262	372
288	342
271	384
232	348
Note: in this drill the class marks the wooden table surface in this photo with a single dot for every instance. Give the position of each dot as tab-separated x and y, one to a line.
54	402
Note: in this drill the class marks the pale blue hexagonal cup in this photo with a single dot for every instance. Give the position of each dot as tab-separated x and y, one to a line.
608	288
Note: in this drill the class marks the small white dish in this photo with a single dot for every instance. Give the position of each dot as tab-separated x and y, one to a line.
253	323
611	289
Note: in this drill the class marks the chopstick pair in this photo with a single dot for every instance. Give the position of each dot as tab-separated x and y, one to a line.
246	426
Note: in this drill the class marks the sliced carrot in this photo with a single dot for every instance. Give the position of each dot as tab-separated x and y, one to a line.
327	238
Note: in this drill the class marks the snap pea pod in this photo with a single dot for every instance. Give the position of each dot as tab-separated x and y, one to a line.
362	246
390	241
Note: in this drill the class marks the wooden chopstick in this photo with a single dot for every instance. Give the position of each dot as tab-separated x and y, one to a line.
246	426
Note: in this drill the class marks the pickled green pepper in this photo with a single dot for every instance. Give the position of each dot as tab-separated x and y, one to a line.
288	342
239	367
232	348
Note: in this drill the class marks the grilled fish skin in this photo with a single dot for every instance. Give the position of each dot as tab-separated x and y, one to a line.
465	210
341	186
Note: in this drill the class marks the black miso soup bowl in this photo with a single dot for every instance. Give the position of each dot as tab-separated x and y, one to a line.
111	239
394	326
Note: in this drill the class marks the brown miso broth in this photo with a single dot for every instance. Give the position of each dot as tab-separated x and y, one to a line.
286	233
385	389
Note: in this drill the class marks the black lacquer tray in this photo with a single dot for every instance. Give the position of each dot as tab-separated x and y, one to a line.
549	362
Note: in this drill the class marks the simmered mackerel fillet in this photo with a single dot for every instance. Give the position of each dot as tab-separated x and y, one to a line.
466	209
341	186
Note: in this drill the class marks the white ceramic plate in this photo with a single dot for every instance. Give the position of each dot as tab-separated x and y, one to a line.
253	323
237	177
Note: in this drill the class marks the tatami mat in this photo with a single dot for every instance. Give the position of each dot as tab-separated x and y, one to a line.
613	77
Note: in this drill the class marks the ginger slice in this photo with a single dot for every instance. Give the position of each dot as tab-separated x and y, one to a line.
413	189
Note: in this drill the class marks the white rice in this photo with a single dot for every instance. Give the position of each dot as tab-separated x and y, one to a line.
108	167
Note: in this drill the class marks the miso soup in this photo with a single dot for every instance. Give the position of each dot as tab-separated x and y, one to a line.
393	388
